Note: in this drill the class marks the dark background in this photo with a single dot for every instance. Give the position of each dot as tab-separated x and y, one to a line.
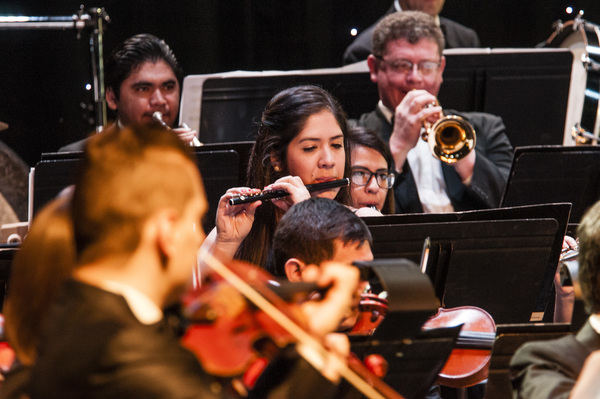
43	73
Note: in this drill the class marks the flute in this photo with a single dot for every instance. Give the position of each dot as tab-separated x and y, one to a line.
267	195
157	116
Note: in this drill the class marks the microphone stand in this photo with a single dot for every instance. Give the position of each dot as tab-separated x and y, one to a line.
93	21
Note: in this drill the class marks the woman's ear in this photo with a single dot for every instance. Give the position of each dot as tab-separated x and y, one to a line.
293	269
275	163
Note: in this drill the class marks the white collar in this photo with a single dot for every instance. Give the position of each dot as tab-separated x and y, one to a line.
142	307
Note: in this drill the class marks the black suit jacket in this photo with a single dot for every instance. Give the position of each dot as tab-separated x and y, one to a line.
549	369
94	347
492	165
456	35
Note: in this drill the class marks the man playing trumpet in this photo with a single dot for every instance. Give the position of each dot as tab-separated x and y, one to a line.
407	65
143	86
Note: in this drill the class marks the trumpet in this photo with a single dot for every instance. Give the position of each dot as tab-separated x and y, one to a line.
582	136
158	117
450	139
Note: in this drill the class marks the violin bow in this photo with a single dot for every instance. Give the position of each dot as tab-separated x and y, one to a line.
315	352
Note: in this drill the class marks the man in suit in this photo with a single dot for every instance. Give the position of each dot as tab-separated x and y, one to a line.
407	65
142	76
550	369
456	35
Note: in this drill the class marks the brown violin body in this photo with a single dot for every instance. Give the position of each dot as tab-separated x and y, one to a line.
468	363
372	310
237	321
237	332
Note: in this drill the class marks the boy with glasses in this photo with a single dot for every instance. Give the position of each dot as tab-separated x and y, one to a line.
372	176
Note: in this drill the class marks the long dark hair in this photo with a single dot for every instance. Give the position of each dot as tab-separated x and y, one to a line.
283	119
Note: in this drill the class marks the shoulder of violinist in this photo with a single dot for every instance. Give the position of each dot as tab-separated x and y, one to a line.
232	224
588	383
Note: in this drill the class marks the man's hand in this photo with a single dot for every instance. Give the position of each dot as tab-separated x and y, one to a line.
187	135
409	116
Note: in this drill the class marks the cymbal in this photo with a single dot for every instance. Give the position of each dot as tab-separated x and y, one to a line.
3	126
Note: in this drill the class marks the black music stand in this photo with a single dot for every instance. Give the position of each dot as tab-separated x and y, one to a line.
559	211
503	266
547	174
231	105
220	172
415	358
219	169
509	338
242	148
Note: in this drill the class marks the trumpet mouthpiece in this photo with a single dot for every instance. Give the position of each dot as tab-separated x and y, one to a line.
157	116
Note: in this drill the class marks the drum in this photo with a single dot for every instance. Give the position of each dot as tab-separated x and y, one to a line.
583	116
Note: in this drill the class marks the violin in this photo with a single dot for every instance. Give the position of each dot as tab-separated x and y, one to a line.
468	364
229	332
372	308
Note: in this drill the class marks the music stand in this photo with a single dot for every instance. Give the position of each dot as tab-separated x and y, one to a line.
509	338
220	172
414	357
219	169
505	267
242	148
559	211
546	174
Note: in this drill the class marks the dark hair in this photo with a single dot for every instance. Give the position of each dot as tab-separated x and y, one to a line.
409	25
360	136
126	175
588	233
133	52
283	119
44	261
309	229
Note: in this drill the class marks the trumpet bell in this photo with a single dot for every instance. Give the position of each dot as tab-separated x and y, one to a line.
451	138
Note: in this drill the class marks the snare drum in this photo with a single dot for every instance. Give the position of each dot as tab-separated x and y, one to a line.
583	39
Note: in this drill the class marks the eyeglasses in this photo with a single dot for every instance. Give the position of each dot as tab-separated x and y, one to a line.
405	66
362	177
